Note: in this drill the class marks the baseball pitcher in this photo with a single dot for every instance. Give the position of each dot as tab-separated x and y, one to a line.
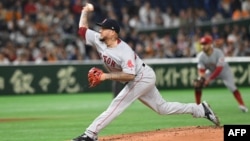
139	78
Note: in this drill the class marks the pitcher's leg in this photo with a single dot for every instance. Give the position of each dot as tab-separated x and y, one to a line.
127	96
155	101
117	106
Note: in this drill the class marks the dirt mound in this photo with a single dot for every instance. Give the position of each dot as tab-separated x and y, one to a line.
206	133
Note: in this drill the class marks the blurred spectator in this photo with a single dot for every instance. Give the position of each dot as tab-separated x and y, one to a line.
3	60
135	22
231	49
157	18
219	43
235	4
196	43
23	55
31	10
61	52
51	55
238	14
245	5
2	13
182	44
224	8
77	9
246	48
215	32
147	15
47	43
174	20
10	51
166	16
217	18
34	50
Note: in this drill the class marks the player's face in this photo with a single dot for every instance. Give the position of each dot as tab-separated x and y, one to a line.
105	34
206	47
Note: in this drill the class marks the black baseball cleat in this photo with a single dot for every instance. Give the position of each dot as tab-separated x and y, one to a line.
83	137
209	114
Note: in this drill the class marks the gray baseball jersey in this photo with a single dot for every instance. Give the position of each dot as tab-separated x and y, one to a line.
211	62
123	58
120	58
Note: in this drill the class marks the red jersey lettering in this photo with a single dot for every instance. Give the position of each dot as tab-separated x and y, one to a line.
107	60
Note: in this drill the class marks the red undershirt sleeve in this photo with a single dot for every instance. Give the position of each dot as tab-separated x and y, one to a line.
82	32
216	72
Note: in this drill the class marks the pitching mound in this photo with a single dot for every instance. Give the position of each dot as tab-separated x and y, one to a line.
206	133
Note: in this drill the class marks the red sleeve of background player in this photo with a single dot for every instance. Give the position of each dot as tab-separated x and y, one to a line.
82	32
216	72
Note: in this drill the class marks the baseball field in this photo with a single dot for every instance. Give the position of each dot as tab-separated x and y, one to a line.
61	117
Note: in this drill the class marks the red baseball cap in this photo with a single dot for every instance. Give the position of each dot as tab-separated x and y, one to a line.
206	40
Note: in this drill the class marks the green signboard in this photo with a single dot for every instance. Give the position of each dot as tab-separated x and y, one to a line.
32	79
176	76
63	78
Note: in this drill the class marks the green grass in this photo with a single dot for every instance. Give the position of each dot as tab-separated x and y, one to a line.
62	117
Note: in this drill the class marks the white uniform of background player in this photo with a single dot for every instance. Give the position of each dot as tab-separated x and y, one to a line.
212	65
126	66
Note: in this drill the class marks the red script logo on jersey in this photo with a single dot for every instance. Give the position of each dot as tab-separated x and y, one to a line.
130	64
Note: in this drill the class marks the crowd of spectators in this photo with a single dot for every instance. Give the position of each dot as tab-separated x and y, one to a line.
46	30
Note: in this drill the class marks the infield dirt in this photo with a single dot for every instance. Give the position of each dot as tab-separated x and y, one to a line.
198	133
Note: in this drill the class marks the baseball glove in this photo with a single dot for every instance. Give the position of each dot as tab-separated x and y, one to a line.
199	83
94	76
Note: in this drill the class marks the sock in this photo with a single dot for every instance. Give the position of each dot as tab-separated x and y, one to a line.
198	96
237	96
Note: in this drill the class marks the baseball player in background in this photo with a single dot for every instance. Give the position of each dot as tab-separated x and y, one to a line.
211	65
139	79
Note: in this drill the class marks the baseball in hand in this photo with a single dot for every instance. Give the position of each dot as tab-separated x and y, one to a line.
90	6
